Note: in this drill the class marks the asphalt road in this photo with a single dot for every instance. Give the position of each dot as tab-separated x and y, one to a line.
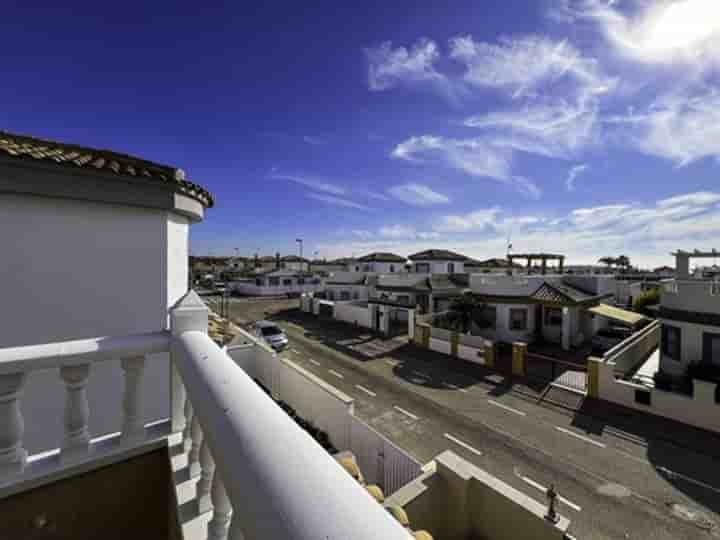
611	486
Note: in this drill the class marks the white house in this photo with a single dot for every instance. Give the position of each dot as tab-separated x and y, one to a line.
276	283
294	263
111	231
690	317
380	263
438	261
556	308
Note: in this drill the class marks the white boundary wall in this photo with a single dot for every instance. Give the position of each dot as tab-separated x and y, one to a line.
353	314
381	462
698	410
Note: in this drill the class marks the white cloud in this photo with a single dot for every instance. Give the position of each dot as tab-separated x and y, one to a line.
476	156
312	183
377	196
699	198
388	67
361	233
557	129
417	195
523	64
477	220
573	173
314	140
685	31
681	127
397	231
336	201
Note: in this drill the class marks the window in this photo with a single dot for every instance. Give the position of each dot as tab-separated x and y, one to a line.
451	268
642	397
287	281
553	316
356	295
422	268
274	281
392	267
403	299
671	341
258	282
331	295
518	319
357	268
345	295
301	281
711	349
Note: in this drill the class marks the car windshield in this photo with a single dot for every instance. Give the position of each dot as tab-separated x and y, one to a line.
270	331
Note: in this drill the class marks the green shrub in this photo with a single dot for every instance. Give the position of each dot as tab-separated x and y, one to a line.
648	298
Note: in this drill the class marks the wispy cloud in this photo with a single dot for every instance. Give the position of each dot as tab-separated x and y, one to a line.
312	183
523	64
336	201
418	195
390	66
377	196
397	231
314	140
475	156
682	127
477	220
573	173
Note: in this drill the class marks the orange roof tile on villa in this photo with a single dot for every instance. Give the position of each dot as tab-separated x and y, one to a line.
105	162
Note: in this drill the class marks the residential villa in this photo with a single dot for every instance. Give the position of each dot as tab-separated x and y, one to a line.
295	263
690	318
381	263
277	283
489	266
437	261
556	308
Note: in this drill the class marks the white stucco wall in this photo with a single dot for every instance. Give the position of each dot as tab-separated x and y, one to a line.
441	267
691	346
74	270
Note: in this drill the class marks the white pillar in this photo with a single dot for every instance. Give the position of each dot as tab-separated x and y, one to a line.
187	433
203	486
133	426
222	511
189	314
12	453
566	329
77	412
196	435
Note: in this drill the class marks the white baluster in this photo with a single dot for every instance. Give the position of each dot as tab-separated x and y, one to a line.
203	486
187	433
12	453
194	455
133	427
235	532
222	511
77	411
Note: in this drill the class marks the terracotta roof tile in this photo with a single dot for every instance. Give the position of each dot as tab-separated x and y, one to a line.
112	163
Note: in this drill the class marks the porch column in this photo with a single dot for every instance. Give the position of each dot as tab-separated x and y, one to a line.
529	264
562	264
566	329
544	266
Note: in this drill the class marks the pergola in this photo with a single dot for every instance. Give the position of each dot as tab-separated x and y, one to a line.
682	260
543	257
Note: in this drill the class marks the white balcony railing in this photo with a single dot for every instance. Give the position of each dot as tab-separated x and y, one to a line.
259	473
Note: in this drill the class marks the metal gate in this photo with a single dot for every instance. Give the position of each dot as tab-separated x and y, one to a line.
556	372
381	462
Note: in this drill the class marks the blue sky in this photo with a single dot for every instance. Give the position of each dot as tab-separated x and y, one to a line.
588	127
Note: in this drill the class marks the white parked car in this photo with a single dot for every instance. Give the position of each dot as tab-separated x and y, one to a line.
272	334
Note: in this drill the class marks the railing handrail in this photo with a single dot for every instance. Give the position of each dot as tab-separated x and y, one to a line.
610	355
282	484
81	351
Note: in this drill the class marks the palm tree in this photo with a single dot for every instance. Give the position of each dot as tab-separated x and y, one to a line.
466	305
623	261
609	261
